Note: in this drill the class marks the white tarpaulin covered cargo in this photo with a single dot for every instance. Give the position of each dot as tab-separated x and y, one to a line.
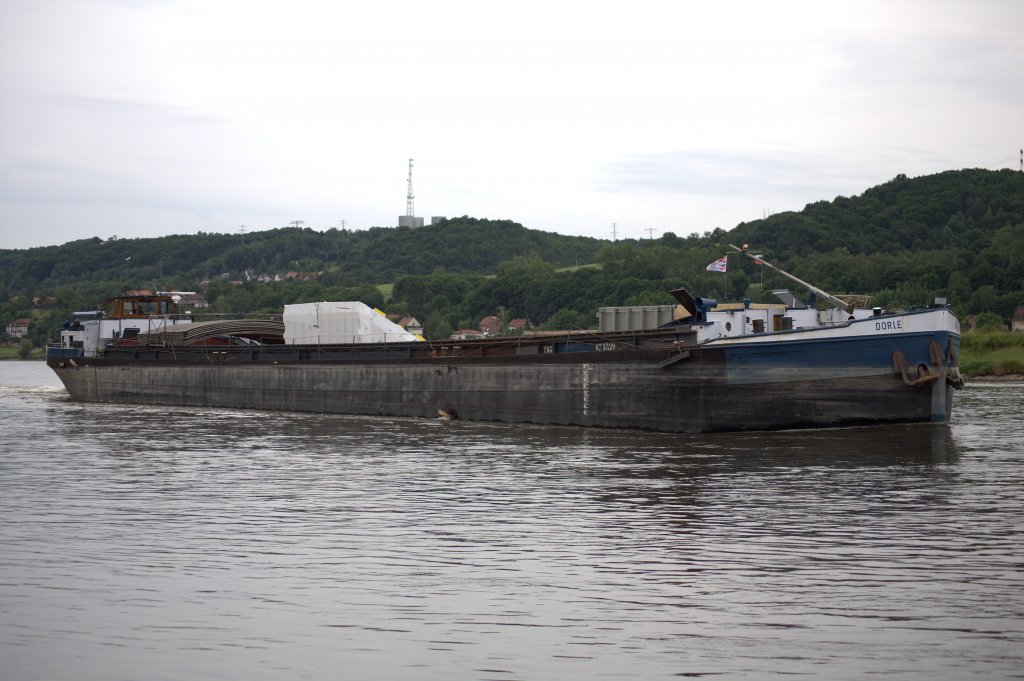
340	322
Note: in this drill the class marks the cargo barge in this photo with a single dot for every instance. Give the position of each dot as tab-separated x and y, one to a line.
712	368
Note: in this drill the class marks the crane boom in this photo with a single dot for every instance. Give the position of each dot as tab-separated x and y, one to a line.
835	302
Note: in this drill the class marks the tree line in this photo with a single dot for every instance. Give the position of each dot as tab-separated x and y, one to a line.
958	235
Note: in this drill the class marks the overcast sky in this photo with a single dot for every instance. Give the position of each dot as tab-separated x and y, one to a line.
144	118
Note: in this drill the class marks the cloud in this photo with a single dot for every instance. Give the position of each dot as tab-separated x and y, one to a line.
179	115
149	112
780	171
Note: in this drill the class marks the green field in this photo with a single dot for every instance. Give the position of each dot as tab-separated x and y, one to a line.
11	352
992	353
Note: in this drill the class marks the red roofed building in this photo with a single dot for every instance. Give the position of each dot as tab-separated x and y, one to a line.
18	328
412	325
490	325
518	325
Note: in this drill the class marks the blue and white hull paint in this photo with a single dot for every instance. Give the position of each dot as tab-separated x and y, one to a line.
903	364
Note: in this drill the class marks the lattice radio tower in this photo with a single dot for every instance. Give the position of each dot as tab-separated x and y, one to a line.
409	198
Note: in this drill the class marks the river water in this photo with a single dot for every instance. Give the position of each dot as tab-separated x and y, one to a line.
147	543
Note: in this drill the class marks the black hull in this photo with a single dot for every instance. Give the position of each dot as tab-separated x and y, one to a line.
660	389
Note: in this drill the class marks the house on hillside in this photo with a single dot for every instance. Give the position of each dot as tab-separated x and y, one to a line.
412	325
1017	323
518	326
302	276
189	299
17	329
490	325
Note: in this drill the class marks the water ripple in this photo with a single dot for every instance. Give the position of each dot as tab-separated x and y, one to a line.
178	544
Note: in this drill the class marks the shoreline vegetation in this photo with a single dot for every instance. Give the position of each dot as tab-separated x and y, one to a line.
14	352
984	355
993	355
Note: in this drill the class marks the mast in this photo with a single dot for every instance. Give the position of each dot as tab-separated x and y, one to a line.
409	197
835	302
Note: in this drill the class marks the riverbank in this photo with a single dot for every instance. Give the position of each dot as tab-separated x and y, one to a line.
12	352
992	354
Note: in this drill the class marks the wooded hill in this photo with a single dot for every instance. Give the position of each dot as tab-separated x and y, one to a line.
347	257
958	234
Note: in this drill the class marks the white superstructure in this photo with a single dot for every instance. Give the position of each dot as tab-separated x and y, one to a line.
85	333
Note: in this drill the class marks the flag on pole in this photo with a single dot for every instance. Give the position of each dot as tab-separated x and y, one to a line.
719	265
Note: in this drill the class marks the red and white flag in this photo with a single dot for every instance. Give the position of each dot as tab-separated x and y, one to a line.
719	265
